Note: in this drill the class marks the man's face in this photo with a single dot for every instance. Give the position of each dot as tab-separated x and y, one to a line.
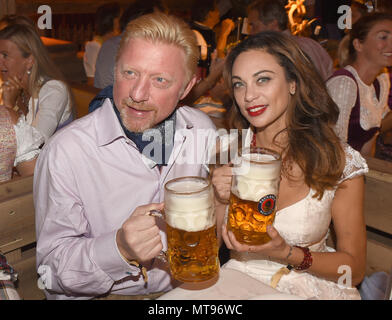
254	24
149	82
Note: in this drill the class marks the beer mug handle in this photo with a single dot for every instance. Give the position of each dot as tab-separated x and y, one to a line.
157	213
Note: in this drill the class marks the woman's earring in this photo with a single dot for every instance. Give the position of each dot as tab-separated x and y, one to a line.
29	72
292	90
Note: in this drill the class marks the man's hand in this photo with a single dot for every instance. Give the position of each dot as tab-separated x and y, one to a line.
139	238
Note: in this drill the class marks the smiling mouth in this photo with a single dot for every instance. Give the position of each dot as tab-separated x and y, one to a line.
255	111
139	112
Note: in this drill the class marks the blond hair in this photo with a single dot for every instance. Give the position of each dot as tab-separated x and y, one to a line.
160	27
29	44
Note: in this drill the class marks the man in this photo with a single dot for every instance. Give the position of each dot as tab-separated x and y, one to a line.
95	184
266	15
104	66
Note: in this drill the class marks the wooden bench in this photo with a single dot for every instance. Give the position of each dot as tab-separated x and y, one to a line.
83	94
17	234
378	215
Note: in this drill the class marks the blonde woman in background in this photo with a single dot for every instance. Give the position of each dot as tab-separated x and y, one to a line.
32	84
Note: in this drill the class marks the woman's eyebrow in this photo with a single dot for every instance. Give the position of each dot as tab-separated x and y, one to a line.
262	71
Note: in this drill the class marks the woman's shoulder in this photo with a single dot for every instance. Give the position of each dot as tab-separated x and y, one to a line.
342	78
53	86
355	164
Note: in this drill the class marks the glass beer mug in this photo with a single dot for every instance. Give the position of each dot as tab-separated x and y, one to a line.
253	195
191	229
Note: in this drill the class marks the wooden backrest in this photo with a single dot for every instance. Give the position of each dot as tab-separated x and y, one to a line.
378	195
83	94
378	215
17	222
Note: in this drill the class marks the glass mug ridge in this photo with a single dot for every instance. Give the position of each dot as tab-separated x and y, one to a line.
191	229
253	195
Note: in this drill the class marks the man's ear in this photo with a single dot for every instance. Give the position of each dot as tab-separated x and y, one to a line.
188	87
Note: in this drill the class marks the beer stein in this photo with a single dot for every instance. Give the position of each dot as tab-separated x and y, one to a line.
191	229
254	190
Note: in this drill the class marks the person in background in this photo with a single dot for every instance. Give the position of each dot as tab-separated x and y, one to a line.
266	15
357	10
19	145
96	181
11	19
282	103
107	25
32	83
19	148
104	66
361	88
205	17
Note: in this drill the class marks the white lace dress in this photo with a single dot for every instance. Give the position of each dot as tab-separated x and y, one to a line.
304	223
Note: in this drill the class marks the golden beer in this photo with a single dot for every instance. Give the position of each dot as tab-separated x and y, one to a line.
247	223
193	256
191	229
253	196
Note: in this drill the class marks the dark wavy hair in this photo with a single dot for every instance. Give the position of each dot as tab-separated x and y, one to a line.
312	114
361	29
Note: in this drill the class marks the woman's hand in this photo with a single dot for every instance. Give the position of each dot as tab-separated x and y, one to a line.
221	180
11	90
276	248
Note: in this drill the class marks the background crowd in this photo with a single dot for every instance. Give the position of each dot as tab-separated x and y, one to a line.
337	84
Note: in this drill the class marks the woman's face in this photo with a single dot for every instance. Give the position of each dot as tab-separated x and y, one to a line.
12	63
261	90
377	47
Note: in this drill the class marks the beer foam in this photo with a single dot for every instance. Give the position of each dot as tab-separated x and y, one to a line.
258	157
190	212
254	190
191	221
253	181
187	186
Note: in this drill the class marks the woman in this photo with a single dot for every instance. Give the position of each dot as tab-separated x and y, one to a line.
358	10
19	145
361	88
281	99
31	81
19	148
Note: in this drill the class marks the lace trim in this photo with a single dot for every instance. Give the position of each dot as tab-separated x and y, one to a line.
355	164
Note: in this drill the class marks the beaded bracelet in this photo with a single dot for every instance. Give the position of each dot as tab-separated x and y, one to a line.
307	261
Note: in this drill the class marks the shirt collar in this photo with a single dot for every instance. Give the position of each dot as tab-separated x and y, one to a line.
107	125
109	128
